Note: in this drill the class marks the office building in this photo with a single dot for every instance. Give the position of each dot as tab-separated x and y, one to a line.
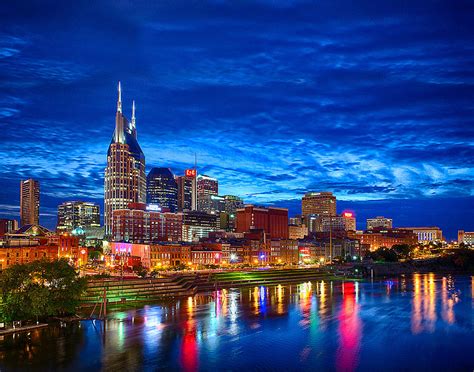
379	221
78	214
29	202
466	237
125	178
297	231
426	234
197	225
273	221
344	222
320	203
297	220
8	226
162	189
380	237
206	186
232	203
187	191
136	224
211	203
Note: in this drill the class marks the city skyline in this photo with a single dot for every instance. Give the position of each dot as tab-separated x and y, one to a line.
402	129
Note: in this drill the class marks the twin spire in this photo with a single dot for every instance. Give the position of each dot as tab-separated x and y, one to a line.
119	106
121	121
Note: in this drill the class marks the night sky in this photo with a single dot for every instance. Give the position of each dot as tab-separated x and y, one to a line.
374	103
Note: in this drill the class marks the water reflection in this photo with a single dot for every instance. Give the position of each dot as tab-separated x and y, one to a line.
313	325
349	329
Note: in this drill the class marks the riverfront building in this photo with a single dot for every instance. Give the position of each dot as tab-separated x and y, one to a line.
379	237
137	224
426	234
466	237
125	179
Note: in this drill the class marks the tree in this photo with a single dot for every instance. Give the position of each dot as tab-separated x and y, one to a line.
403	250
40	289
140	271
384	254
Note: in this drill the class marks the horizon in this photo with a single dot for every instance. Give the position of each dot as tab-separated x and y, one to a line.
276	102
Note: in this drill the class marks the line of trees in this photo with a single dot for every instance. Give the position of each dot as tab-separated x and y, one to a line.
40	289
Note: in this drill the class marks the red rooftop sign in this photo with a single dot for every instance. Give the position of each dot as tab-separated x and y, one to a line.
190	172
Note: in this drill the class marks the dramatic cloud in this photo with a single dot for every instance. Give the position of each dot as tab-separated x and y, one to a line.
371	101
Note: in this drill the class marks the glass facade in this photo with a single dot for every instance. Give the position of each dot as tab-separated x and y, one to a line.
162	189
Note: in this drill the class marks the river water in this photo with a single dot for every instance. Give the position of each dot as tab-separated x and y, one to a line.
421	322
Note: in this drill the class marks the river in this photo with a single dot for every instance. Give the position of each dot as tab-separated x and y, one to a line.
418	322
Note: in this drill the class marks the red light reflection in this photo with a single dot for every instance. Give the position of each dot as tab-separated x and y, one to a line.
349	330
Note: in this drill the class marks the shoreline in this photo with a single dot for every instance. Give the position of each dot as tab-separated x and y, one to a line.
11	330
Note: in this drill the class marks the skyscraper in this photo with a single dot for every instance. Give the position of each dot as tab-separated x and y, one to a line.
125	178
187	193
29	202
320	203
74	214
206	186
162	189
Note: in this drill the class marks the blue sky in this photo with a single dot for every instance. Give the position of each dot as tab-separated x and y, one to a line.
374	103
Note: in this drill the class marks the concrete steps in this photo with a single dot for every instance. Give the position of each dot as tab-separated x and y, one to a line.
120	291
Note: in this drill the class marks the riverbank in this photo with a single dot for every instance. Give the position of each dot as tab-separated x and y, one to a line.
186	284
33	327
382	269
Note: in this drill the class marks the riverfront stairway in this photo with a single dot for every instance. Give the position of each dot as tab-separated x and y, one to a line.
229	279
126	290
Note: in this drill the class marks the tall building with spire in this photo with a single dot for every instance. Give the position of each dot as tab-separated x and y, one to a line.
125	178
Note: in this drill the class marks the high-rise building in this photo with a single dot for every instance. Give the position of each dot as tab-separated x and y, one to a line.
320	203
29	202
187	191
232	203
74	214
136	224
344	222
273	221
379	221
125	179
162	189
198	225
206	186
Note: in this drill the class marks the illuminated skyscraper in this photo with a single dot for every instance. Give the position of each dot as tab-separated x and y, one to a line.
125	178
320	203
187	194
162	189
74	214
206	186
29	202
